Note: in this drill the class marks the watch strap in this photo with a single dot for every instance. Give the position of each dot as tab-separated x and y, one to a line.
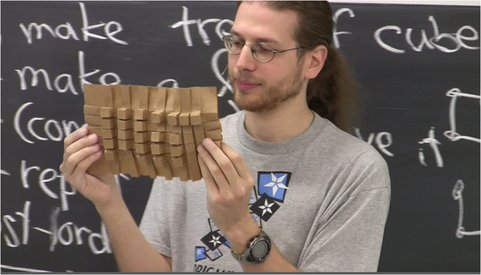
246	256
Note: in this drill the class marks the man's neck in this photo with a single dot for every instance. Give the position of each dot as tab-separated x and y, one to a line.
280	124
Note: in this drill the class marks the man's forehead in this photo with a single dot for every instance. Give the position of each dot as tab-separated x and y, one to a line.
257	22
259	39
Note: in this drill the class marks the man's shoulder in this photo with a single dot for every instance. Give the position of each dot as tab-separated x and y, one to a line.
229	124
355	158
350	147
228	119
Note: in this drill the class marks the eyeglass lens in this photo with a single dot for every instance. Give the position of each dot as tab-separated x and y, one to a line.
259	51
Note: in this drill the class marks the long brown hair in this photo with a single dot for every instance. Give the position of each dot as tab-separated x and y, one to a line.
333	93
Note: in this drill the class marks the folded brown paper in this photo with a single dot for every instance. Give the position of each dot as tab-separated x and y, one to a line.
151	131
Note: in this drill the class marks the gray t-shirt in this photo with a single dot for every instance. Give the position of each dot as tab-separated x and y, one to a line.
322	197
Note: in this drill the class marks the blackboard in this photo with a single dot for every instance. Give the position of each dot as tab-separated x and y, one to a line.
419	67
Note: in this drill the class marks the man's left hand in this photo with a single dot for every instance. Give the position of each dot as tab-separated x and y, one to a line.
229	184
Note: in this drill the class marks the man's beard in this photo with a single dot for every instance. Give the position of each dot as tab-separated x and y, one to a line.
268	97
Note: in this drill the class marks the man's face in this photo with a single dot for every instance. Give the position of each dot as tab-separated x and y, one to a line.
259	86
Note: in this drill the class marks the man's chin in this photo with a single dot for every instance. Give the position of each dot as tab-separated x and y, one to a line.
252	105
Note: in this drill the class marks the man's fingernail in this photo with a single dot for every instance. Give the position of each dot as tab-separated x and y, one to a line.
207	142
93	137
83	131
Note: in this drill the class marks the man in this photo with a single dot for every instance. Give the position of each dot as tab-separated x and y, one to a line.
288	191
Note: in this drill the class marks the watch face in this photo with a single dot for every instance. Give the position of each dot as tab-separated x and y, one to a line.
260	249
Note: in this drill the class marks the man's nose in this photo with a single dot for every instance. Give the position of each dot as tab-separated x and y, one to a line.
245	59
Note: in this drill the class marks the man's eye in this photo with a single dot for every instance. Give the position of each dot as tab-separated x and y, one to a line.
237	43
263	49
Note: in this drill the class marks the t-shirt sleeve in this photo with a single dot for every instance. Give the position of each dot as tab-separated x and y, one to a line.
151	223
350	226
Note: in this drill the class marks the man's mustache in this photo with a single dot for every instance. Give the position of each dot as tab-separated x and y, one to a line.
241	76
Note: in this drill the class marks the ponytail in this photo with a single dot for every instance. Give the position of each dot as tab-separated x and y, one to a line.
332	94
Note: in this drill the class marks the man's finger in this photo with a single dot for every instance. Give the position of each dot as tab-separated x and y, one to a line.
222	161
213	168
211	186
237	161
80	143
74	136
84	164
72	161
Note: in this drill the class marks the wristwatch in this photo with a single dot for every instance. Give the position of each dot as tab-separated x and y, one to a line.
257	250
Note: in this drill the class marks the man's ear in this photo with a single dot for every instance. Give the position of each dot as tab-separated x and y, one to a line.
314	62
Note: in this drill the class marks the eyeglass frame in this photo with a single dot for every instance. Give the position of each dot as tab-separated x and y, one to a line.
274	51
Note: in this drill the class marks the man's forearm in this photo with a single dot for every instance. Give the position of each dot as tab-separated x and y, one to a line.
131	250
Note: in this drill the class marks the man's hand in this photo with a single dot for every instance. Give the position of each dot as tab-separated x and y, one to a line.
229	185
81	150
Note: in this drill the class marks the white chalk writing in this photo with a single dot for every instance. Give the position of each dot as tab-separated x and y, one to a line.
383	140
185	23
443	42
47	179
452	133
66	31
458	195
65	234
337	33
53	130
23	269
434	144
64	82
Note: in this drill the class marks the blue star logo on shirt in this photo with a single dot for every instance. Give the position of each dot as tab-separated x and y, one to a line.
200	253
273	184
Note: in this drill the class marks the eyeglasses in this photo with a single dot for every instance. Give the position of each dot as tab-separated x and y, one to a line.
261	52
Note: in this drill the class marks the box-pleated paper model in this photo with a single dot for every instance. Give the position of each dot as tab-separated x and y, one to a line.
151	131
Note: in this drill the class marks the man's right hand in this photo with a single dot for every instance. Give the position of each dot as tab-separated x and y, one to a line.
132	251
81	149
